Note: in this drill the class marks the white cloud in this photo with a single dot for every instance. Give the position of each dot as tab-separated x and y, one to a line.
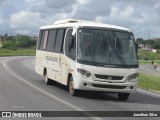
26	22
30	1
116	12
22	32
83	2
157	9
1	2
25	19
26	16
99	18
1	21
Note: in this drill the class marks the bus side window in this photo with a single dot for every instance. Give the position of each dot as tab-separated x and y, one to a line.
59	40
41	39
70	45
45	40
51	40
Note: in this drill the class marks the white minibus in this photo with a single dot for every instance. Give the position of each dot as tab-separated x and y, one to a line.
86	55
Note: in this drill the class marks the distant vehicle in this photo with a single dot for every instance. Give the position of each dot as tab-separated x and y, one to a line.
86	55
155	65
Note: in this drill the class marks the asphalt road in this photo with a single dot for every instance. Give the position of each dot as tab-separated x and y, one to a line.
149	69
22	89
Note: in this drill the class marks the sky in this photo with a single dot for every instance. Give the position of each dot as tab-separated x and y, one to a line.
27	16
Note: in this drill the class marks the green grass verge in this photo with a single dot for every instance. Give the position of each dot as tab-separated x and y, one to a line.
149	82
17	52
148	61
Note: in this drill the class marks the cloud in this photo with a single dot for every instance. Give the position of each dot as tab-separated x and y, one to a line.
1	2
118	16
83	2
157	9
26	16
49	5
58	4
1	21
25	21
30	1
122	14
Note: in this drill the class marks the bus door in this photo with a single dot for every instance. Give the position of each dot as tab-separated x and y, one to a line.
69	51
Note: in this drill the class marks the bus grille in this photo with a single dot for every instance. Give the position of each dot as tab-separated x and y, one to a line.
109	86
107	77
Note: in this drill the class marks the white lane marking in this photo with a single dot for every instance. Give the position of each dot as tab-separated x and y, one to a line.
44	92
148	93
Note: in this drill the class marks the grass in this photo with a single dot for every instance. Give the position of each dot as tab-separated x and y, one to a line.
148	61
149	82
17	52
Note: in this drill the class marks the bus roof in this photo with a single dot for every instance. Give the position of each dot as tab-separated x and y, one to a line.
82	23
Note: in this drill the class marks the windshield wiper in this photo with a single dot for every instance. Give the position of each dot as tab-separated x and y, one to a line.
115	51
118	56
90	52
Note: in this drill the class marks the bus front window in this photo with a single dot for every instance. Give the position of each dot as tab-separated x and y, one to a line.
106	47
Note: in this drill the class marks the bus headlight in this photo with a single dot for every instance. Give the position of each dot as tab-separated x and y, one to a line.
84	72
133	76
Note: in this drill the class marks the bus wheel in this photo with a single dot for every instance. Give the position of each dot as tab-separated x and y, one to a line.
47	80
123	96
72	91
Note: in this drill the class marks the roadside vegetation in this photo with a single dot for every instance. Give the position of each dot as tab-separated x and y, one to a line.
17	52
153	43
148	61
145	54
146	57
149	82
19	45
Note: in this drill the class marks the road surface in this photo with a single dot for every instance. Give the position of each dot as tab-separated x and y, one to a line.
22	89
149	69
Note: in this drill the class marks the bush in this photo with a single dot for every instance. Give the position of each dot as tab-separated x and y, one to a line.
9	45
143	54
19	42
158	51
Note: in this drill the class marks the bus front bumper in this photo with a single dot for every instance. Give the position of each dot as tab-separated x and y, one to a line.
113	87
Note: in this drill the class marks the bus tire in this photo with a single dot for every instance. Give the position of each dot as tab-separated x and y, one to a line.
72	91
123	96
47	80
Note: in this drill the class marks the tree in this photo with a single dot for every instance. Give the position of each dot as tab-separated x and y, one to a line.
149	42
5	35
21	41
140	41
11	38
156	46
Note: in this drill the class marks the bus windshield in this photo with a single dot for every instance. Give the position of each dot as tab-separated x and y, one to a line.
109	48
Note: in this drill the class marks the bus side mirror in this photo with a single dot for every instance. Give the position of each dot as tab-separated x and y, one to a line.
73	32
71	43
73	35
